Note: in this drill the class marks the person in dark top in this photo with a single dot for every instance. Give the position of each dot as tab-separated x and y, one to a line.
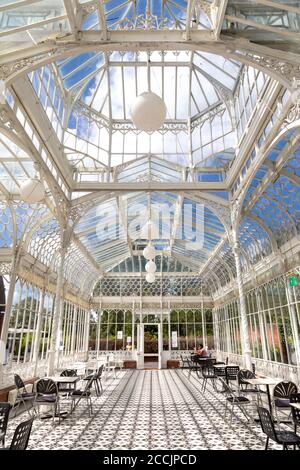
201	351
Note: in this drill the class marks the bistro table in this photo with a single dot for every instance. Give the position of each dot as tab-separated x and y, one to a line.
223	366
267	381
65	380
295	405
58	379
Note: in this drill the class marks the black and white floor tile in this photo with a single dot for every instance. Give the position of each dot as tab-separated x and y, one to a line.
149	409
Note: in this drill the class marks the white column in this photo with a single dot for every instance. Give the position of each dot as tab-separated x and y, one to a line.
133	325
56	333
262	330
87	332
98	333
7	314
227	330
216	331
36	348
245	339
294	321
204	336
73	330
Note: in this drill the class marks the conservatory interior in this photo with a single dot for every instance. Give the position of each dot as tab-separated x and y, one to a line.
149	224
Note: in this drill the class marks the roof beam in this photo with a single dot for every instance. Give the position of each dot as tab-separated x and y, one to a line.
71	9
218	10
102	19
189	12
237	48
150	186
272	29
274	170
279	6
21	3
27	27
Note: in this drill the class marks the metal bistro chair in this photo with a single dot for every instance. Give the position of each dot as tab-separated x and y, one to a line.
220	373
97	380
231	373
208	373
285	438
4	414
85	393
21	436
236	400
281	397
183	362
67	388
295	398
245	388
193	367
47	395
23	397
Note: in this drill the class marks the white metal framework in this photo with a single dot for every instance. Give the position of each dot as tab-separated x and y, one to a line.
225	164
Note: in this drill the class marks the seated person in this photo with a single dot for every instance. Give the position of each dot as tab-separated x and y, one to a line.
201	351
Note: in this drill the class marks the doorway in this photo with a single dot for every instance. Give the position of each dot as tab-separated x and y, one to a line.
150	346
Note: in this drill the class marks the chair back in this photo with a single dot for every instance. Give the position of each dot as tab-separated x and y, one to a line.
69	373
4	414
243	375
21	435
227	390
232	372
208	371
46	387
189	362
100	371
266	423
19	382
295	398
208	363
90	382
285	389
220	371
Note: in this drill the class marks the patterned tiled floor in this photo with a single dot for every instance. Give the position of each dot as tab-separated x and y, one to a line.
148	409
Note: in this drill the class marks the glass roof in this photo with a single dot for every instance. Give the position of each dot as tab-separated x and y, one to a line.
15	165
84	97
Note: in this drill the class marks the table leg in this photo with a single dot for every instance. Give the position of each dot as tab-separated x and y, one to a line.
269	399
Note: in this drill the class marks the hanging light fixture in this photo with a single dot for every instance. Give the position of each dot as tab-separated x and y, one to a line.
149	251
150	267
148	111
32	190
150	277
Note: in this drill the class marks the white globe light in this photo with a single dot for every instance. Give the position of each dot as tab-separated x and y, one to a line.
32	190
148	112
149	252
150	267
150	277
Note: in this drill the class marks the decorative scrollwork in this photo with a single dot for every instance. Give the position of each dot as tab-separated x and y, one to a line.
218	110
5	268
21	65
147	21
293	114
288	71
